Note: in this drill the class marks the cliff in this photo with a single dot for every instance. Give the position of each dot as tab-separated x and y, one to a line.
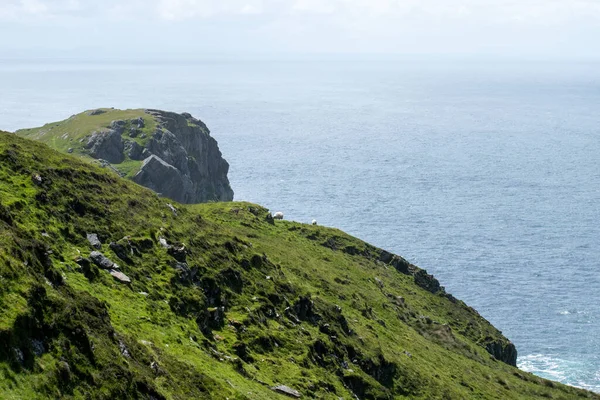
111	292
172	154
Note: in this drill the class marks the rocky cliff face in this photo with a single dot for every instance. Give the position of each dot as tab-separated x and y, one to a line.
180	159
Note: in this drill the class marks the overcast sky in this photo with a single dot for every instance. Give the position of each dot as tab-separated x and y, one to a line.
532	28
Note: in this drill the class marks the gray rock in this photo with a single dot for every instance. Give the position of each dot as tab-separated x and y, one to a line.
118	275
134	150
138	122
70	150
107	145
287	391
96	112
118	125
94	241
102	261
184	143
164	178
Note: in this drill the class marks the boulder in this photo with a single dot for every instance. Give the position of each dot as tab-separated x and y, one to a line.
102	261
118	125
503	351
134	150
94	241
119	276
288	391
106	145
165	179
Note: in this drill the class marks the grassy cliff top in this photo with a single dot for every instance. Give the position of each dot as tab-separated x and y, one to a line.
222	303
71	134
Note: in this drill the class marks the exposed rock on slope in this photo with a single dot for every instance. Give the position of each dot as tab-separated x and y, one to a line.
172	154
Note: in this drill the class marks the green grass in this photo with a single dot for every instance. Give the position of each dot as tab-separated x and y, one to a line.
73	132
305	306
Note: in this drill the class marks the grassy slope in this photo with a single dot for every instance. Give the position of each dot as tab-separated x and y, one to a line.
163	336
72	133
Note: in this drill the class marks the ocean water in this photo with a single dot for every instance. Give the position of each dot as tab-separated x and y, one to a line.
487	174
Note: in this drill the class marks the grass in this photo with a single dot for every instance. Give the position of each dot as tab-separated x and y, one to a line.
235	306
71	135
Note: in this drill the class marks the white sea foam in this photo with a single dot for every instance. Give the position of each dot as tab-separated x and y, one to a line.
565	371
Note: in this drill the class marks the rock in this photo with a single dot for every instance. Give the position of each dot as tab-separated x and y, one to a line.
121	251
37	179
138	122
94	241
184	143
164	178
173	209
70	150
118	275
96	112
107	145
134	150
427	281
178	252
303	310
286	391
118	125
102	261
503	351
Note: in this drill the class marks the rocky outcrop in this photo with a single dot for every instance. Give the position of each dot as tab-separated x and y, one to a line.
185	162
107	145
503	351
181	160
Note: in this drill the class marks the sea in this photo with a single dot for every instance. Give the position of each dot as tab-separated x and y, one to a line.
486	173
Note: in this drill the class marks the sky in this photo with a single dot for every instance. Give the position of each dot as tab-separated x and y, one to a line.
520	28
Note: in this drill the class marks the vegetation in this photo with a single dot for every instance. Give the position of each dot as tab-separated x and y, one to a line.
223	302
70	135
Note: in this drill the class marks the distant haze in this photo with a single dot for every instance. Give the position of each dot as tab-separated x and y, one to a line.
132	28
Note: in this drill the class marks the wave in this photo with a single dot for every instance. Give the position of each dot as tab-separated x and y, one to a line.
564	371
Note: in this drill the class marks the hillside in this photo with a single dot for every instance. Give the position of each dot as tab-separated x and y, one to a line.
172	154
109	291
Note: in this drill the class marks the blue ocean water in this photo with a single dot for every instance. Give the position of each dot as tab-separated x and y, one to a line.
484	173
